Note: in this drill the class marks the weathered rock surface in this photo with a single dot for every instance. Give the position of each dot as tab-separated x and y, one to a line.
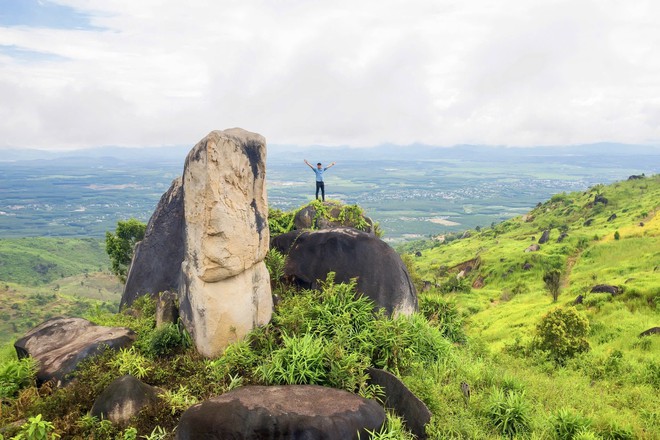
380	273
589	222
167	311
307	218
282	412
611	218
60	344
533	248
561	237
605	288
403	401
157	258
649	332
225	287
601	199
123	399
545	236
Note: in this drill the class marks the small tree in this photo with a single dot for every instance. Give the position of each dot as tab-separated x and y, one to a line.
120	244
562	332
552	280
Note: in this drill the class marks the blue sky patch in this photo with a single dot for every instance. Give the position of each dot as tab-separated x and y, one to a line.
41	13
27	55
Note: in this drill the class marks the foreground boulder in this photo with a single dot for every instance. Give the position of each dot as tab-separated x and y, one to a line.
224	290
380	273
605	288
123	399
157	258
405	404
545	236
60	344
282	412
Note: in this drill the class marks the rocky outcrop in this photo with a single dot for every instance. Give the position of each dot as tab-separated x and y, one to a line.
533	248
545	236
380	273
157	258
282	412
605	288
649	332
331	217
405	404
123	399
225	288
611	218
561	237
601	199
60	344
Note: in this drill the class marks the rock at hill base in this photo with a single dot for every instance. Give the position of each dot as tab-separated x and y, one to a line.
405	404
600	199
167	311
578	300
545	236
224	290
561	237
605	288
380	273
418	254
533	248
649	332
123	399
611	218
641	224
60	344
589	222
157	258
308	218
282	412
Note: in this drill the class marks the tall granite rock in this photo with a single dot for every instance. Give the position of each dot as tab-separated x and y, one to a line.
224	289
157	258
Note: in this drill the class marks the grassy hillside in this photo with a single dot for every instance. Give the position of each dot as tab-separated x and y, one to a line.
612	237
45	277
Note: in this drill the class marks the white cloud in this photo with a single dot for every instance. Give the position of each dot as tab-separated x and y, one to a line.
337	72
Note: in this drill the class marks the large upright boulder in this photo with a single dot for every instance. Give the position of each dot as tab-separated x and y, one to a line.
60	344
380	273
157	258
224	290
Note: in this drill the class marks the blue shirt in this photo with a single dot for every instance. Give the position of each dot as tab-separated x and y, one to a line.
319	173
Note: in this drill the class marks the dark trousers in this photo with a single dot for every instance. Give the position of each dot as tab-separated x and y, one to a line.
321	186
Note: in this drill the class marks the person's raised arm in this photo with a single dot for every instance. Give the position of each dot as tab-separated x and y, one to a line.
309	164
331	165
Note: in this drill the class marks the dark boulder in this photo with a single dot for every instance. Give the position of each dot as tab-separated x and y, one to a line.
156	264
418	254
636	177
605	288
612	217
123	399
282	412
528	266
426	285
589	222
578	300
167	311
649	332
545	236
380	273
600	199
60	344
561	237
405	404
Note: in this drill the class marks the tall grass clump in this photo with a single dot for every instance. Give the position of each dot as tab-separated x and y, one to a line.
509	413
565	425
16	374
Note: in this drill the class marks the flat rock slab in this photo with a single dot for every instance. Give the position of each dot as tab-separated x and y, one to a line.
60	344
282	412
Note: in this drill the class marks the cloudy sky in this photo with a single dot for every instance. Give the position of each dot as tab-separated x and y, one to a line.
81	73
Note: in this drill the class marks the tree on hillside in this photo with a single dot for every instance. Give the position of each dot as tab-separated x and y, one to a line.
120	245
562	332
552	280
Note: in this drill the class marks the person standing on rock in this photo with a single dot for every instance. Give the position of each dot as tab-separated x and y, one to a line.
319	170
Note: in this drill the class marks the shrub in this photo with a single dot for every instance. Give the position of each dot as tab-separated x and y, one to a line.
613	431
164	340
120	245
16	374
129	361
280	222
36	429
566	424
617	235
275	261
552	280
179	400
444	315
509	413
299	361
392	429
562	333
